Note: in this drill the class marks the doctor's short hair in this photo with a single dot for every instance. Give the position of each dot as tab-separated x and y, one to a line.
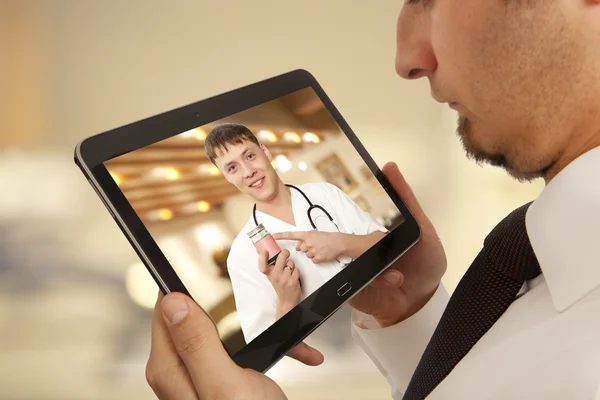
222	135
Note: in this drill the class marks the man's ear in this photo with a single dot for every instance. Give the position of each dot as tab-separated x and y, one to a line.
268	153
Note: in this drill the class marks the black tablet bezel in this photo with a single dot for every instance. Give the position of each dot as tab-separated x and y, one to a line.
265	350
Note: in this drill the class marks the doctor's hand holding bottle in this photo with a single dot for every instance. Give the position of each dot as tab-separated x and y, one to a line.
285	279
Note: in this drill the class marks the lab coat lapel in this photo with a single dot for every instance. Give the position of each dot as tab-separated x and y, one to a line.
272	224
300	209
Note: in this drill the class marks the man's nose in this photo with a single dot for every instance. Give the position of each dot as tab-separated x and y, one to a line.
414	54
248	171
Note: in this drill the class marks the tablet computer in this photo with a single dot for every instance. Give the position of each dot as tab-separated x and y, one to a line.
190	190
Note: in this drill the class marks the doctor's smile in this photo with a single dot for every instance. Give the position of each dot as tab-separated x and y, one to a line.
258	184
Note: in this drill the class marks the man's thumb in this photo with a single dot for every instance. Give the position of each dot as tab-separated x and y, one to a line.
194	337
395	177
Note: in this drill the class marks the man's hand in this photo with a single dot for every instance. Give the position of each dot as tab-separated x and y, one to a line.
320	247
285	279
405	287
188	361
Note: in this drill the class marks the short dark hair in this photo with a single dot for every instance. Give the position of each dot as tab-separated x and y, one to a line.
222	135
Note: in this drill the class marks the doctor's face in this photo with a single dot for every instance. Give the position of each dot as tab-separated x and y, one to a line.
517	72
248	167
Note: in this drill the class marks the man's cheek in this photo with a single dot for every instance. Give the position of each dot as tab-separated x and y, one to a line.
234	182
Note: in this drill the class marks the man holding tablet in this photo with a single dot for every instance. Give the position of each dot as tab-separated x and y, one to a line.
523	323
321	228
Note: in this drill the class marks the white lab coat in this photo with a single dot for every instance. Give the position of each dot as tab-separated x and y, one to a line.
255	298
547	344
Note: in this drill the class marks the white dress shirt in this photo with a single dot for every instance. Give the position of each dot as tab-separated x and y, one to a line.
547	344
255	298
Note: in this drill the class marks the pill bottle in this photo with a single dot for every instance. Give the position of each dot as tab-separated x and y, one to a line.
263	240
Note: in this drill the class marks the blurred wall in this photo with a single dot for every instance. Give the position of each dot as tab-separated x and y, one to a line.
76	68
188	244
22	74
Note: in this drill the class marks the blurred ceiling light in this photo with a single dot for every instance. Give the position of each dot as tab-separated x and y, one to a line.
157	172
140	286
200	134
282	163
302	166
211	236
165	214
311	138
203	206
197	133
267	136
213	170
292	137
168	173
172	174
188	134
208	169
117	178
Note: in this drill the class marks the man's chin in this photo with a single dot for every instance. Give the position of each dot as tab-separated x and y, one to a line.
480	156
253	195
262	196
473	151
523	176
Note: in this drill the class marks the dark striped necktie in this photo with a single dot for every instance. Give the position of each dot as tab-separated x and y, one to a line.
485	292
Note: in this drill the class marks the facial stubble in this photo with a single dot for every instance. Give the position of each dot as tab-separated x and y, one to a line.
476	153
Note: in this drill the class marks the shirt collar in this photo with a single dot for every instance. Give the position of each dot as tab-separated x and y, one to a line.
563	225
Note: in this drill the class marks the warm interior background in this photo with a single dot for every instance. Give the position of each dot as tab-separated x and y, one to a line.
69	328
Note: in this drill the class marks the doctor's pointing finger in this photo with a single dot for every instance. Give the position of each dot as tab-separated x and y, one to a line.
320	247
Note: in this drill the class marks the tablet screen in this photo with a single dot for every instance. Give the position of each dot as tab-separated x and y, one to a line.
278	176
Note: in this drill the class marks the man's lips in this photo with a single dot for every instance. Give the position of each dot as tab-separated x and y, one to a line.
258	183
439	99
455	106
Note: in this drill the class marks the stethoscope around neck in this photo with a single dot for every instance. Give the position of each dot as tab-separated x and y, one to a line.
311	208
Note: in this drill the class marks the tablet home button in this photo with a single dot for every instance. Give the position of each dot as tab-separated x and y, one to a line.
345	288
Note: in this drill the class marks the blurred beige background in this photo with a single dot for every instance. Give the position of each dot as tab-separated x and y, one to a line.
69	328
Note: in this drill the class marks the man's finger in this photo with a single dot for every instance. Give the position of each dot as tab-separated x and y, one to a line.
196	341
389	278
307	355
290	264
165	372
280	264
395	177
161	347
296	274
289	235
299	245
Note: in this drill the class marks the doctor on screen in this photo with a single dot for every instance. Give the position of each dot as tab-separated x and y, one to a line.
318	227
